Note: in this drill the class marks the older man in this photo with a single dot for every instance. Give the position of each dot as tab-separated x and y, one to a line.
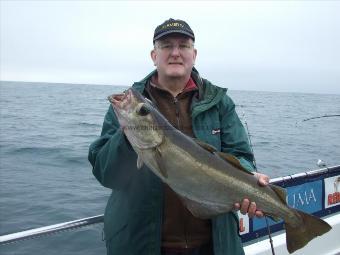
143	215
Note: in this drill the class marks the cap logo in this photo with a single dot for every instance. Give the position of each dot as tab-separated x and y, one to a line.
174	24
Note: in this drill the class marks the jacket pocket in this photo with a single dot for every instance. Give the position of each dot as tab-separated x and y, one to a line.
119	241
116	216
114	231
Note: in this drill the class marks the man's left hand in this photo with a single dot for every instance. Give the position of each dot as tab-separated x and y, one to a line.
248	206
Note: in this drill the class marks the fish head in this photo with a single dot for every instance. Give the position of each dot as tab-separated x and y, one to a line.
137	117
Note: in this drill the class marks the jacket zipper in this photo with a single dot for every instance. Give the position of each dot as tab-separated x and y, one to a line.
177	111
186	233
176	104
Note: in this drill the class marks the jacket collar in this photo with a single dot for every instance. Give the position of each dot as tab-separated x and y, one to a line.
209	94
140	85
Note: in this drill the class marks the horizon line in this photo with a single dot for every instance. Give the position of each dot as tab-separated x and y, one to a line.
116	85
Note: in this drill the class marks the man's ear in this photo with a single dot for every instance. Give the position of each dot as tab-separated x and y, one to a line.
195	55
153	55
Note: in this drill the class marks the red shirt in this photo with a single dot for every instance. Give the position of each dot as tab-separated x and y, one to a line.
191	85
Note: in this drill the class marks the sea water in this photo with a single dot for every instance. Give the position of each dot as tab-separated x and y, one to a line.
46	129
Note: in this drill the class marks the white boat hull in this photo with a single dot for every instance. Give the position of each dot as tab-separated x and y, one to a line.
327	244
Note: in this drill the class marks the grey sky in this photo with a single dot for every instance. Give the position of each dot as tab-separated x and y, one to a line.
245	45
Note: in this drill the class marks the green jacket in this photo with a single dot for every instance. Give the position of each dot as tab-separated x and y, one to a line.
133	215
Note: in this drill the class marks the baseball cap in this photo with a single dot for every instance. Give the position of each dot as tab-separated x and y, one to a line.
173	26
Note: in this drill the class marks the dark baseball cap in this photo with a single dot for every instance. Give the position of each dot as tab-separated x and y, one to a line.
171	26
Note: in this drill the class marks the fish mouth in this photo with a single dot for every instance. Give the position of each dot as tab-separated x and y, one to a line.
133	123
129	96
121	101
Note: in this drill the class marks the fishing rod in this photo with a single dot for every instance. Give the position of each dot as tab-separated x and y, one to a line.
254	162
250	143
323	116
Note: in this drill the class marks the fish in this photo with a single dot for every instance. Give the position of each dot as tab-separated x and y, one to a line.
208	182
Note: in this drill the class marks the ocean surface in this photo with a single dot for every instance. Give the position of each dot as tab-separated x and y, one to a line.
45	131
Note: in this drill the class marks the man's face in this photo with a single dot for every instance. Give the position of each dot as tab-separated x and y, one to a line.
174	56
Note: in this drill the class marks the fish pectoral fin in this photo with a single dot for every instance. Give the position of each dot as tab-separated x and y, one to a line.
233	161
160	163
205	146
281	192
203	211
139	162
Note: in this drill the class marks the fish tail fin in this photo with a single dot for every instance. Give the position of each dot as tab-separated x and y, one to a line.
298	236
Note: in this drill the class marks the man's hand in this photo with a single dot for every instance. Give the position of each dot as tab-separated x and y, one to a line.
250	207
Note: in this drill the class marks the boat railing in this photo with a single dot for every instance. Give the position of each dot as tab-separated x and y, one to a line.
51	229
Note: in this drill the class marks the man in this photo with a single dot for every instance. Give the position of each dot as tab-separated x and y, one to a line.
143	215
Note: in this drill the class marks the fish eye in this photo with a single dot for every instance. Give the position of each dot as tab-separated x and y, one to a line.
149	101
143	110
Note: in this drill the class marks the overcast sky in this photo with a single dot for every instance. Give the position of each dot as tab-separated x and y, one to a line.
242	45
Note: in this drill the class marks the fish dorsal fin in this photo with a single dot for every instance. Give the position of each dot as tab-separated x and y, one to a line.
205	146
227	157
233	161
139	162
281	192
273	217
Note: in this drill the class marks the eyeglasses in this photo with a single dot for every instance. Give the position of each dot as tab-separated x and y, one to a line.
169	47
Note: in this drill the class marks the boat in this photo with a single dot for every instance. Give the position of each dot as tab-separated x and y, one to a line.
316	192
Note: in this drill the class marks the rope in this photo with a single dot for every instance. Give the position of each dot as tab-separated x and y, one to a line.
270	236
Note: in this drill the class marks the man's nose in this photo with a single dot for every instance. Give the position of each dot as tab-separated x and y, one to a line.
175	50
